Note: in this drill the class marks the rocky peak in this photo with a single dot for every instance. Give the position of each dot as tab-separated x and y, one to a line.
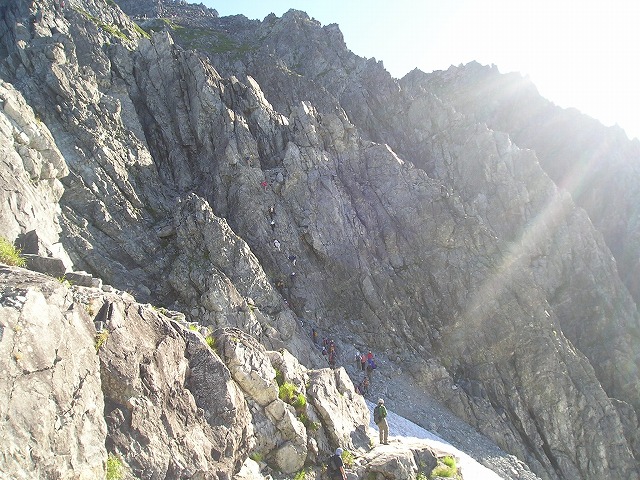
165	8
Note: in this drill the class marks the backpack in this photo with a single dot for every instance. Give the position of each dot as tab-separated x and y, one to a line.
331	465
379	413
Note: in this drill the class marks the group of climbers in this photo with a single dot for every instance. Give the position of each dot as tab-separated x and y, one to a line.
366	363
280	283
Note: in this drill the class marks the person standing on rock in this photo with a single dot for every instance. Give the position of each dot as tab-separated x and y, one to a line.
380	419
335	466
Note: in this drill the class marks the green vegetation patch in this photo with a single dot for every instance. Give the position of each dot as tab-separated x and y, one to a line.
115	469
256	457
446	468
347	458
308	424
141	31
113	30
299	402
287	392
64	281
10	255
101	338
107	27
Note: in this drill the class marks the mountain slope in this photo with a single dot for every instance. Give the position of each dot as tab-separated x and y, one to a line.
402	224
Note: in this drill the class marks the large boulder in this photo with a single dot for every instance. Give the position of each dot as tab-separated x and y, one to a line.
153	368
249	365
51	402
402	461
291	452
343	413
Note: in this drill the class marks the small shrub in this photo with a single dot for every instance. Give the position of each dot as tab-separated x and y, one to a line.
10	255
161	310
193	327
113	30
421	476
446	468
64	281
287	392
449	461
101	338
256	457
142	32
115	469
211	341
347	458
300	475
306	421
300	402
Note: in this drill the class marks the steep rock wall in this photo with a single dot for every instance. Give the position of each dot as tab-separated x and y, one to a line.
451	241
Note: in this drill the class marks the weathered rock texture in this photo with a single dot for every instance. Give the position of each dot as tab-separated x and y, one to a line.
151	391
53	422
272	182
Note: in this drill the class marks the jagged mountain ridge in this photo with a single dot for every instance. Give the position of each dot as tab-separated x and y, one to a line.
413	245
580	155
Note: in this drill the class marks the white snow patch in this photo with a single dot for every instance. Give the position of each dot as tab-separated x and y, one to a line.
400	427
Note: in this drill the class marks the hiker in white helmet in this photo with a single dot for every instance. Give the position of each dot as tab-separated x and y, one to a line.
335	466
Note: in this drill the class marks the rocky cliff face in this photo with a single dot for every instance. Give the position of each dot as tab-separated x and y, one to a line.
580	155
271	182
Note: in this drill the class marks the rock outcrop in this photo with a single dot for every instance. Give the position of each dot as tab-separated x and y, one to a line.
274	182
53	421
152	391
577	152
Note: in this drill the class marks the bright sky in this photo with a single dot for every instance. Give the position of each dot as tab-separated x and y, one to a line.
579	53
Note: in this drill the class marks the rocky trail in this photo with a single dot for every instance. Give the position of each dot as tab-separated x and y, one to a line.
415	414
